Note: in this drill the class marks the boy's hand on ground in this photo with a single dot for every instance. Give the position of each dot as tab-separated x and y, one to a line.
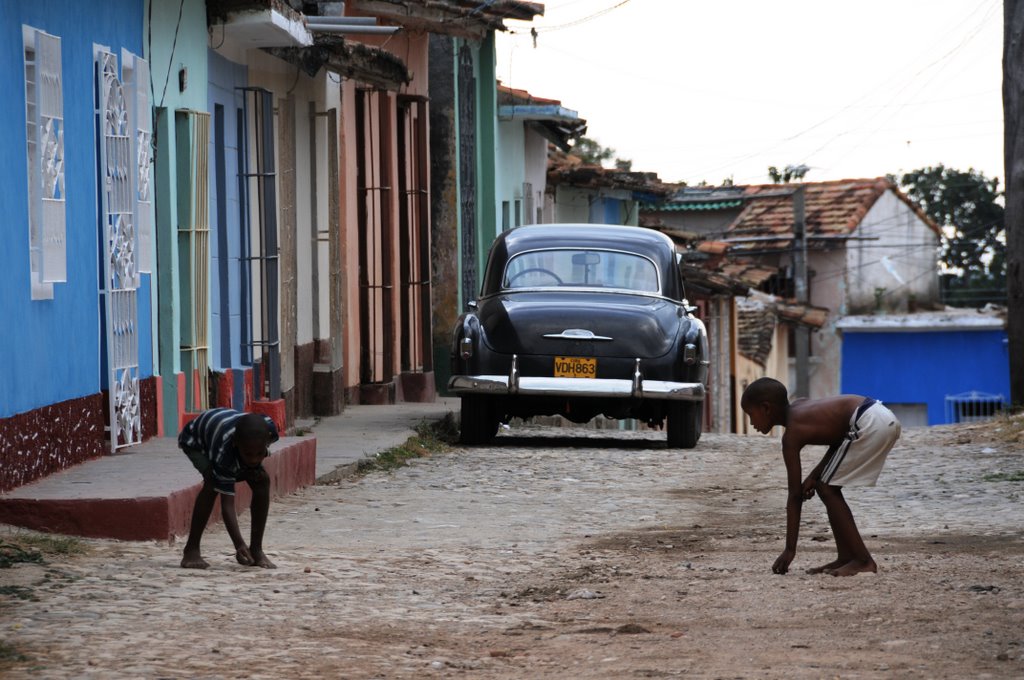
244	557
807	490
781	565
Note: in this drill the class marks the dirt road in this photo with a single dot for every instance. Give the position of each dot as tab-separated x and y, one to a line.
604	556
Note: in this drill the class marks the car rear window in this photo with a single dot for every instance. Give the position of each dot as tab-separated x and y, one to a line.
581	268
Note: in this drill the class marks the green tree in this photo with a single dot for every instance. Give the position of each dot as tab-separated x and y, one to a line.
590	151
791	173
965	204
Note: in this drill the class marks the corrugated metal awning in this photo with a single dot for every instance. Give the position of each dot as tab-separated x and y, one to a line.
702	205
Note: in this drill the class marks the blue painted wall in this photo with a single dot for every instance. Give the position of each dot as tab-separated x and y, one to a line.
52	347
229	273
925	367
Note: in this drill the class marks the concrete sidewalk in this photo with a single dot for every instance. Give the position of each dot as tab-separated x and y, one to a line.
364	431
147	491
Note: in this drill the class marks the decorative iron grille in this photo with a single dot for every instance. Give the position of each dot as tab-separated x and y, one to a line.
376	290
260	193
467	170
968	407
120	267
414	227
44	115
193	138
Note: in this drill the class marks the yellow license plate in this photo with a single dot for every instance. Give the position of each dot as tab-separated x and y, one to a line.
575	367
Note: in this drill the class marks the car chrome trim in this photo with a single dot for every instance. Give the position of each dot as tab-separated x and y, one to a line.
576	387
576	334
513	375
504	292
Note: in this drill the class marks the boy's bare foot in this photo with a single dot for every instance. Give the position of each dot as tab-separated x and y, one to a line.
244	557
193	560
260	560
834	564
854	567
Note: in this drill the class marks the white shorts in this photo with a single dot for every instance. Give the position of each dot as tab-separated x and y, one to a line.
858	460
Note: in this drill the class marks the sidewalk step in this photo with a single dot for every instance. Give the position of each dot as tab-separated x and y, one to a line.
146	493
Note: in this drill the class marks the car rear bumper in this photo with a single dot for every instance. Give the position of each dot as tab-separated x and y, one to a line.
576	387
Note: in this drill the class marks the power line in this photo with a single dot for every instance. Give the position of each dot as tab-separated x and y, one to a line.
916	86
854	103
582	20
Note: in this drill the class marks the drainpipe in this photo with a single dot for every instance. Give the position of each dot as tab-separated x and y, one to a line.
803	333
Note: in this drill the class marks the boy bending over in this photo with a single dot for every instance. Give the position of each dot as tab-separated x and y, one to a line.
859	433
228	446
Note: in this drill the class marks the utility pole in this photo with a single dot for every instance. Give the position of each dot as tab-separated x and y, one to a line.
803	333
1013	139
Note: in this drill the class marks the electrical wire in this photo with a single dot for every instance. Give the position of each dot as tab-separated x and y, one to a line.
916	87
853	103
174	46
582	20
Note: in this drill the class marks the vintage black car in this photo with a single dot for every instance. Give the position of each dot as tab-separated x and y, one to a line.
581	320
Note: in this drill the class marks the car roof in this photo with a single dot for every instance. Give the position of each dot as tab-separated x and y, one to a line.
648	241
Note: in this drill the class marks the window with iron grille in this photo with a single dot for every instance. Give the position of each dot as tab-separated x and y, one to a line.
44	118
969	407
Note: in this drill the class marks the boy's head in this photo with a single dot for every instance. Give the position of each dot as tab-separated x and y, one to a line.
765	401
252	435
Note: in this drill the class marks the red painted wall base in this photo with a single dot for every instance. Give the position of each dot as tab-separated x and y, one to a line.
161	517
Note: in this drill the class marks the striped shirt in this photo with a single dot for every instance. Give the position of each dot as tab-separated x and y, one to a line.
212	435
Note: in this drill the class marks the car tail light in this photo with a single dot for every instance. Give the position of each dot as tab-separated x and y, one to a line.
466	348
690	353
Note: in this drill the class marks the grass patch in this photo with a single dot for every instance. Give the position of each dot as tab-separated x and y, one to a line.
1017	476
20	592
430	438
1007	427
35	548
9	652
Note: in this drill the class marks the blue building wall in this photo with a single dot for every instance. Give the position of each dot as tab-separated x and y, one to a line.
229	280
925	367
607	210
52	347
225	101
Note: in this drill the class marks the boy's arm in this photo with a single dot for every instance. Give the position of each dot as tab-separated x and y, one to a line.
227	511
794	503
815	475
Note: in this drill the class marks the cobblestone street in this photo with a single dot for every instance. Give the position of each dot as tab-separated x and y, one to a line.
597	555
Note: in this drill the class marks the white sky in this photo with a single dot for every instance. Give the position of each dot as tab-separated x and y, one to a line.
710	89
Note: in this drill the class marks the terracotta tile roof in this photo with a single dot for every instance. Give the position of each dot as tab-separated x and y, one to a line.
757	316
710	281
713	247
466	18
755	330
750	272
831	208
511	95
568	170
800	313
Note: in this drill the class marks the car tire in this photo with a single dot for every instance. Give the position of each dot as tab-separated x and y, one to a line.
478	422
683	424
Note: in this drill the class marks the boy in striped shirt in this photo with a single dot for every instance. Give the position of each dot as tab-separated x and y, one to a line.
228	446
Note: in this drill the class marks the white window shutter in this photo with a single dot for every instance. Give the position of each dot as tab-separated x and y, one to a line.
50	120
135	70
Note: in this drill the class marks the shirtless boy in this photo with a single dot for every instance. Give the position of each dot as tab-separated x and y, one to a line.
859	433
227	447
